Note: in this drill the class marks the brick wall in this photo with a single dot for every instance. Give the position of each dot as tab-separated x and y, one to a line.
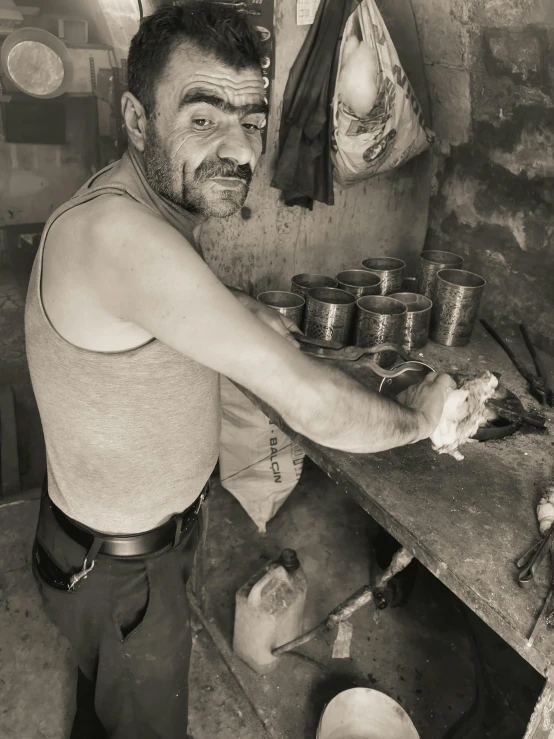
490	69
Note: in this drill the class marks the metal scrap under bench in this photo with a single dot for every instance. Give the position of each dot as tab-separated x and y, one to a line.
469	521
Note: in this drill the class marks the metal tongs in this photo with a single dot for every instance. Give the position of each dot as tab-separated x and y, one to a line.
538	384
337	351
528	563
527	566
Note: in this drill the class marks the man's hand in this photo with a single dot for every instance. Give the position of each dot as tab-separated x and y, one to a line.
428	399
272	318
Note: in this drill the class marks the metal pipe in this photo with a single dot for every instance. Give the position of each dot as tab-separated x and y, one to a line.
357	600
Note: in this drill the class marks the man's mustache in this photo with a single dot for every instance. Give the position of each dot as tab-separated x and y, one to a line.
210	169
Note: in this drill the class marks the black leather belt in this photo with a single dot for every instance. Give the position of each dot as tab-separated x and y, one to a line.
129	545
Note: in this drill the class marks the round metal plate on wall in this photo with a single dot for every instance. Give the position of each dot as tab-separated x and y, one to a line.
37	63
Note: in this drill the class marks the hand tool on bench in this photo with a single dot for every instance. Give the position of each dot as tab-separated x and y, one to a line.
361	355
528	563
538	384
502	409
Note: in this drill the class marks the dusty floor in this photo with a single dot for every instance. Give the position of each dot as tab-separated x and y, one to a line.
417	654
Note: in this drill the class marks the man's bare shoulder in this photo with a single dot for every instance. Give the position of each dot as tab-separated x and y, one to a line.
118	226
114	215
107	215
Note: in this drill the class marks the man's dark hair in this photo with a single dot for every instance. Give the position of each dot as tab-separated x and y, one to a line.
220	30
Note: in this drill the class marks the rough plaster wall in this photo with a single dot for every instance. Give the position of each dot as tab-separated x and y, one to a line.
490	68
264	247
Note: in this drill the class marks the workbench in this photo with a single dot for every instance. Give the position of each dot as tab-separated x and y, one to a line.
467	522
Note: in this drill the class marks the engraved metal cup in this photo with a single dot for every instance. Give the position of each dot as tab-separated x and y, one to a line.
455	306
380	320
418	318
359	282
300	284
430	264
329	314
389	269
288	304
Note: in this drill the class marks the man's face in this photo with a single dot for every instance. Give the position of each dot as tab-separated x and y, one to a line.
203	140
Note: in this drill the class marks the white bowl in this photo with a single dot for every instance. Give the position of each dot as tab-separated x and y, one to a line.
363	713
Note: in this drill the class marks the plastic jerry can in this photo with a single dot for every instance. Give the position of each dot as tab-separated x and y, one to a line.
269	611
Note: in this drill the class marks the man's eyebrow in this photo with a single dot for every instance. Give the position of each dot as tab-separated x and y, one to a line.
196	96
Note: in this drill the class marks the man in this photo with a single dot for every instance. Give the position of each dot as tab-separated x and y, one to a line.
127	333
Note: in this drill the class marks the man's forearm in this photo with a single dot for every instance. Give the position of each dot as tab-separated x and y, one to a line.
339	412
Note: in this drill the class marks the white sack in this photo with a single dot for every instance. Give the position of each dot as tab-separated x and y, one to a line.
258	463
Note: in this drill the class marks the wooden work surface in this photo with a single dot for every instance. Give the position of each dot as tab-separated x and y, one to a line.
465	521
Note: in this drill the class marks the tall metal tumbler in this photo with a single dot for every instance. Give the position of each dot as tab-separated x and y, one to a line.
359	282
300	284
380	320
455	306
430	264
288	304
329	314
418	318
389	269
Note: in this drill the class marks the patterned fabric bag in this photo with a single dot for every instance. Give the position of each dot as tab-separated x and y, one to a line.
378	123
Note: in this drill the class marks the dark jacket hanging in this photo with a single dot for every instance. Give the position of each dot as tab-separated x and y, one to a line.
304	170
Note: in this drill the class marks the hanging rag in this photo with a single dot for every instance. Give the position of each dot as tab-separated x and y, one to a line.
304	170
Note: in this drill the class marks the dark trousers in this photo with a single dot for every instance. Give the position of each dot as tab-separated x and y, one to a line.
129	625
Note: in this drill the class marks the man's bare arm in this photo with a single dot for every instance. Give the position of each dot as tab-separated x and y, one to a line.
152	277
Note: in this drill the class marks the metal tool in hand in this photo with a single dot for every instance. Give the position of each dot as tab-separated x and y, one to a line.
336	351
531	560
538	384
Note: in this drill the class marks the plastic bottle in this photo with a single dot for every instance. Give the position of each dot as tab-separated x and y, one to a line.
269	611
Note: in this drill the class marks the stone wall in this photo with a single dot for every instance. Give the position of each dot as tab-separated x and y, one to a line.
490	69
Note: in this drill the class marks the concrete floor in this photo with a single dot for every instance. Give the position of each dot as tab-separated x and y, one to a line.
417	654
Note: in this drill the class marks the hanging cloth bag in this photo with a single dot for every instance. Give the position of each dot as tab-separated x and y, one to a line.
378	123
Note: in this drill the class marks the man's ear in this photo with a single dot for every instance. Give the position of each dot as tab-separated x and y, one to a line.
134	116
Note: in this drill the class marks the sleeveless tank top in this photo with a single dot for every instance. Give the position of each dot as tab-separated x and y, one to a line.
131	437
